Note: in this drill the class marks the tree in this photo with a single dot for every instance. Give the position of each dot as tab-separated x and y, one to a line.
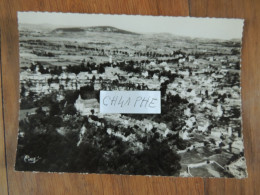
235	51
41	69
33	67
54	109
158	159
93	78
22	91
70	109
39	111
31	95
87	91
56	70
181	144
163	89
101	69
71	96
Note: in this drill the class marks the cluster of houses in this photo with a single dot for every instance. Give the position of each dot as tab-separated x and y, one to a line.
201	82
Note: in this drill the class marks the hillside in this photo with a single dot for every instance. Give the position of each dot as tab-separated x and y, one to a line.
106	29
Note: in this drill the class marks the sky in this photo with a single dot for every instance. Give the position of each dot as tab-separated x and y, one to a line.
215	28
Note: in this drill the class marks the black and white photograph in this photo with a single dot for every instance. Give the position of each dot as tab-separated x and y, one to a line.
68	61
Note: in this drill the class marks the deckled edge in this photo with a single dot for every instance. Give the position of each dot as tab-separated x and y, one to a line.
161	16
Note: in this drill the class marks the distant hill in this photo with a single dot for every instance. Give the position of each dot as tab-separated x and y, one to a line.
108	29
68	30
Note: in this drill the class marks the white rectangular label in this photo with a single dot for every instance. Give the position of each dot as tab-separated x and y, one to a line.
135	102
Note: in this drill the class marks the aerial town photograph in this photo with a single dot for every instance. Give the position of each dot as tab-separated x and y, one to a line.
66	60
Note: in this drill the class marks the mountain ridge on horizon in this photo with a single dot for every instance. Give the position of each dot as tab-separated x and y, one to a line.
112	29
107	29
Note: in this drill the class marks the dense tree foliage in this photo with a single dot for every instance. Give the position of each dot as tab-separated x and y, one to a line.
98	152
